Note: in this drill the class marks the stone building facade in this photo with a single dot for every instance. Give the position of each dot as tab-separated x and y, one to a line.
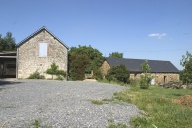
162	71
38	51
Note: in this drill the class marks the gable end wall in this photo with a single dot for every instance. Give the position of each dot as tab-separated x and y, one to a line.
29	60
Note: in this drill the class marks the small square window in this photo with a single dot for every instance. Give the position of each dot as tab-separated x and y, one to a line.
42	49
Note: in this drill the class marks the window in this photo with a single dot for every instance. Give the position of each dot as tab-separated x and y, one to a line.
42	49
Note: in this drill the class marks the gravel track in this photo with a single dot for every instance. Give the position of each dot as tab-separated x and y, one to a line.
60	104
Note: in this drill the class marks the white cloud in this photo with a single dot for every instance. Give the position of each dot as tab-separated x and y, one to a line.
158	35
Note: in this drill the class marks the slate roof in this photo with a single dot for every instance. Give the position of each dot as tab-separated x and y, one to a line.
134	65
37	32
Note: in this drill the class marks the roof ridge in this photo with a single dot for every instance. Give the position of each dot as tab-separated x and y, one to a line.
34	33
137	59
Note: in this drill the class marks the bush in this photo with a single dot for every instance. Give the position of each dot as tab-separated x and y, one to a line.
77	66
59	78
134	82
54	70
146	76
98	75
36	75
118	73
145	82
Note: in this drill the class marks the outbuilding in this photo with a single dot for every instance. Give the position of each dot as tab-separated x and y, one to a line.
162	71
35	53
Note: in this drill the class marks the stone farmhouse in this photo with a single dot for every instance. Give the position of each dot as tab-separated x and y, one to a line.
162	71
35	53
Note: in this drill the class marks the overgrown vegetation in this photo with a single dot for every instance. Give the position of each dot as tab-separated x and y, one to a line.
97	75
118	125
97	102
36	75
77	65
53	70
84	59
7	43
186	74
146	76
160	110
118	73
38	124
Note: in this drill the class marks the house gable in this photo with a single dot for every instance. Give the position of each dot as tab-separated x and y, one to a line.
39	31
30	58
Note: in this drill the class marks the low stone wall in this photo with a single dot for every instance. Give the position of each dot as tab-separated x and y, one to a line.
175	85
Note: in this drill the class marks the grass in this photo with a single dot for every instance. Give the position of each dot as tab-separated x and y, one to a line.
113	125
97	102
113	82
38	124
159	109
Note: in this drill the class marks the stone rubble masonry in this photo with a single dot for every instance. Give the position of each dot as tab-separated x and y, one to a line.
160	78
104	68
29	60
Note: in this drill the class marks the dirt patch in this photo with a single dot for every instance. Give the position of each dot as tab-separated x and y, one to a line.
183	100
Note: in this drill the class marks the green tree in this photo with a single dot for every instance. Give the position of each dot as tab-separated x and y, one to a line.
146	76
7	43
77	66
186	62
116	55
55	71
118	73
94	55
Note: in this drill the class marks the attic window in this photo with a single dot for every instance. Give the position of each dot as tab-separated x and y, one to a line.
42	49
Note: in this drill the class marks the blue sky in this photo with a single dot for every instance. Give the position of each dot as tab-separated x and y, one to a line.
141	29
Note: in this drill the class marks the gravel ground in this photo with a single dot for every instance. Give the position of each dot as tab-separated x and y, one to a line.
60	104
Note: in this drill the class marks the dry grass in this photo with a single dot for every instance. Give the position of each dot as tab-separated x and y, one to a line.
185	100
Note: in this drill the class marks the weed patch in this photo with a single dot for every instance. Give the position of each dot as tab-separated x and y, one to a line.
118	125
97	102
38	124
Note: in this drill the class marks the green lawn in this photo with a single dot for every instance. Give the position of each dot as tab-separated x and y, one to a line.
159	110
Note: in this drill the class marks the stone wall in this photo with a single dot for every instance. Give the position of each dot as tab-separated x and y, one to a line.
104	68
29	60
160	78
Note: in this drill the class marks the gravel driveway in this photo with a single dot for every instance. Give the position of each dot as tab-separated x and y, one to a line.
60	104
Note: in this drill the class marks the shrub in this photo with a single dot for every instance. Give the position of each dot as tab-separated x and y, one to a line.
145	81
36	75
98	75
118	73
59	78
77	66
54	70
134	82
146	76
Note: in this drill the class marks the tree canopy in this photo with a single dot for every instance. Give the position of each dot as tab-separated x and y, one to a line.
186	62
7	43
77	66
95	56
116	55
